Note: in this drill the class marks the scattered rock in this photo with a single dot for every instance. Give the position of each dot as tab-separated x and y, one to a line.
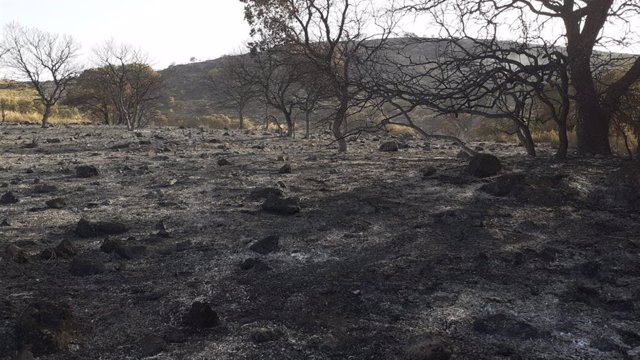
86	267
88	229
46	327
57	203
8	198
389	146
484	165
281	206
223	162
507	326
265	193
285	169
17	254
86	171
263	335
267	245
428	348
201	316
66	249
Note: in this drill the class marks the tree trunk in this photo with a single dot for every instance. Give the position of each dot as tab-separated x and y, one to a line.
563	140
45	116
290	125
524	134
307	121
241	125
336	128
593	121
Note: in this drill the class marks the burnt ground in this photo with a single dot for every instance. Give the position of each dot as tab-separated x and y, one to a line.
382	262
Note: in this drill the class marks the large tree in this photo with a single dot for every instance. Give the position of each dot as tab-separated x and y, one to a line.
334	36
587	26
46	60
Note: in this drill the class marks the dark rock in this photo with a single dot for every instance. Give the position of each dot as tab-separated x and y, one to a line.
44	189
201	316
175	335
504	185
8	198
15	253
389	146
48	254
267	245
86	171
5	223
66	249
604	345
263	335
428	171
507	326
223	162
590	269
53	141
312	158
484	165
285	169
109	245
265	193
183	245
281	206
88	229
152	345
57	203
428	348
24	354
131	252
46	327
253	263
86	267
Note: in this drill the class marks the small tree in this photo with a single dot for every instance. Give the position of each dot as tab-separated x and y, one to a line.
132	86
46	60
233	86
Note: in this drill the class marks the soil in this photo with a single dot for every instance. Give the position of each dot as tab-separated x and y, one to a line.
388	255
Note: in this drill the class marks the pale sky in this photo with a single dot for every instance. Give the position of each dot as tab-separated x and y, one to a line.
168	31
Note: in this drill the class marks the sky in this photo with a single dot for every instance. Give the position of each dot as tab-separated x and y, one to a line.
167	31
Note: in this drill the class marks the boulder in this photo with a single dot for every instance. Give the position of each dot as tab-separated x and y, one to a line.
267	245
281	206
46	327
8	198
86	171
201	316
88	229
389	146
484	165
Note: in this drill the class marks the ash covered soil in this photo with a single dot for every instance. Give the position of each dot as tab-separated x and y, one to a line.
156	244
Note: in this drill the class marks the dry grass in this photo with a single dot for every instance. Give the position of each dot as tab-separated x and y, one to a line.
400	130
